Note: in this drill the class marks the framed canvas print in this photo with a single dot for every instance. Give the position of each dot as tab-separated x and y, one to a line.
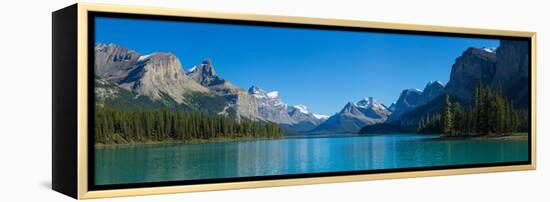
151	101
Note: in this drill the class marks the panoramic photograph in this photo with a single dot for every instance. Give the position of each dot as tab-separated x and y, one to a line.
184	101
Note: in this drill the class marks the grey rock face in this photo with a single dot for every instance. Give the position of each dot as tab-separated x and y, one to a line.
205	74
105	90
155	75
113	62
354	116
161	74
242	103
304	120
300	113
270	106
110	94
474	66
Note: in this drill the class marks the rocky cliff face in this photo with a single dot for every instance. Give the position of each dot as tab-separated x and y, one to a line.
270	106
512	71
432	90
408	99
304	120
205	74
158	75
354	116
113	62
110	94
474	66
507	67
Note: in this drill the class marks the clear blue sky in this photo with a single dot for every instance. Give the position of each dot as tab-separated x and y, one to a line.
320	69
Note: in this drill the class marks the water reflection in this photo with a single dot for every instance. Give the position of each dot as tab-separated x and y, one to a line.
169	162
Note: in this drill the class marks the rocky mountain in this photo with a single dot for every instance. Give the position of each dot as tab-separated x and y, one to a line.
412	98
432	90
113	62
354	116
506	67
392	107
270	106
161	74
241	103
408	99
110	94
128	79
205	74
475	65
512	71
304	120
158	75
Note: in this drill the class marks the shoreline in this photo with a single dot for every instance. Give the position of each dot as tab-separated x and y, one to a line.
514	136
172	141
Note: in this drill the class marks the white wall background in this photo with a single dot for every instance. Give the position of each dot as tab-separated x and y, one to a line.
25	99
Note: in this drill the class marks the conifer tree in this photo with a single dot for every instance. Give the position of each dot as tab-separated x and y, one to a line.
446	119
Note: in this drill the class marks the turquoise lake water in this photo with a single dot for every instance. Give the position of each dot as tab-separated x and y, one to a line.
171	162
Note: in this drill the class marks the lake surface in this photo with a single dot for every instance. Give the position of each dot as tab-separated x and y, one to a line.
170	162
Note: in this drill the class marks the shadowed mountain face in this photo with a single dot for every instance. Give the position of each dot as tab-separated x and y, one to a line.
506	67
512	71
412	98
474	66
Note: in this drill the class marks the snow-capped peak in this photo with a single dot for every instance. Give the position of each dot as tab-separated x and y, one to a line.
302	108
144	57
255	90
415	90
366	102
192	69
489	49
436	81
370	103
273	94
271	97
320	116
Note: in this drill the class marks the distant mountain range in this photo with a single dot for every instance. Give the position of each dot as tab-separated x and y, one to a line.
354	116
129	80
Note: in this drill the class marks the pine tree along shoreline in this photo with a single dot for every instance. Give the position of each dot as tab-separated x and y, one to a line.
120	127
489	115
